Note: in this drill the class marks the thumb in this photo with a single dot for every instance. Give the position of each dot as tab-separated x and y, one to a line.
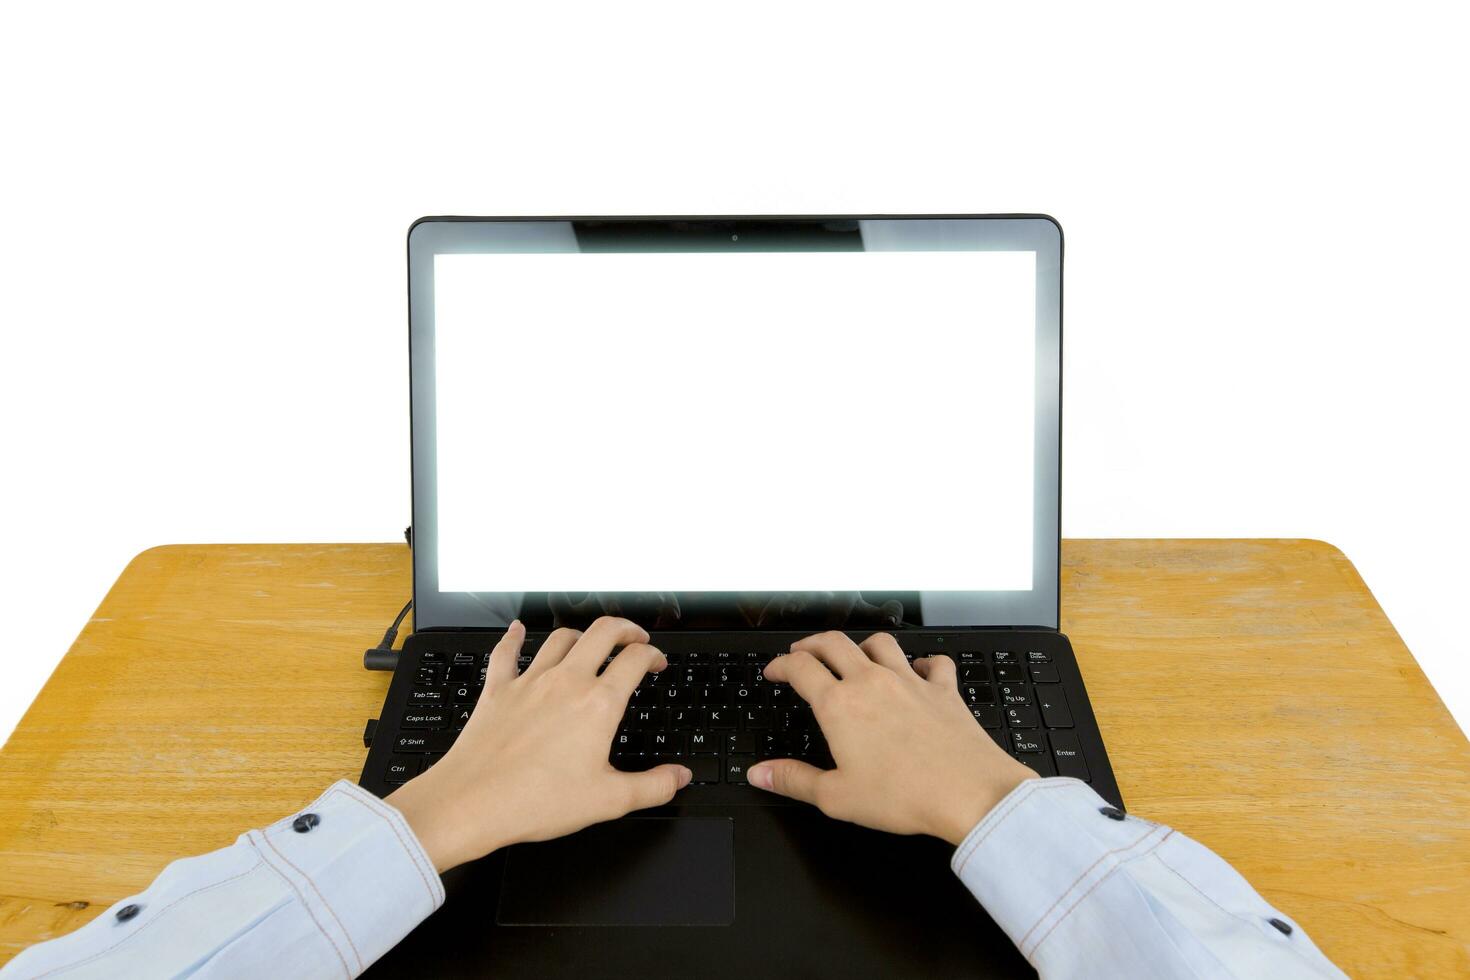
787	777
656	786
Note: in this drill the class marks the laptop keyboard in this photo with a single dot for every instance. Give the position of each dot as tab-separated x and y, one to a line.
717	714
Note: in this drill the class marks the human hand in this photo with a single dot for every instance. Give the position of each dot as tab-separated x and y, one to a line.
532	761
910	757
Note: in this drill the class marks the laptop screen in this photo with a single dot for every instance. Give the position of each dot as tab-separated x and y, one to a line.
805	425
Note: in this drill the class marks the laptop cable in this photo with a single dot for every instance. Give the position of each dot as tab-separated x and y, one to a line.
383	656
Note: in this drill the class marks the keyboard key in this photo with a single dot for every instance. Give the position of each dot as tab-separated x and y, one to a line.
706	768
753	719
799	720
628	743
420	742
1021	716
684	719
402	768
771	746
1005	657
806	744
736	766
974	674
723	718
426	697
1037	657
460	717
987	715
743	694
1044	674
459	672
1028	742
667	743
1053	702
704	743
740	743
426	677
977	694
1011	694
1068	753
781	696
425	718
1041	762
1010	673
972	656
645	718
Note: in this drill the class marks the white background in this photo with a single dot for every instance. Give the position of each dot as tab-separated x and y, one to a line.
203	213
696	395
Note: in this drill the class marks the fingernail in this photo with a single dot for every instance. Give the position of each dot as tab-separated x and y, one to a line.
759	776
684	776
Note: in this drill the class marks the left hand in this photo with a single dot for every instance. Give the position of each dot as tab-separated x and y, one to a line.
532	762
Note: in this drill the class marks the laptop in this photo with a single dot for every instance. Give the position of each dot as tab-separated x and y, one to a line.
736	431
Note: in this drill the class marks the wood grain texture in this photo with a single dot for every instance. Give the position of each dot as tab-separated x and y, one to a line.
1251	693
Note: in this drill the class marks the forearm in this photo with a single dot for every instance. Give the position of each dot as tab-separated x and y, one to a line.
1084	894
278	902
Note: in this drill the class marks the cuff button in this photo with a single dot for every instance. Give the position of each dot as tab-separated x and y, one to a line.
305	822
1111	812
1281	926
127	912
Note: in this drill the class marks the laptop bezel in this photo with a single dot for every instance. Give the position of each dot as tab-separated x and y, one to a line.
428	236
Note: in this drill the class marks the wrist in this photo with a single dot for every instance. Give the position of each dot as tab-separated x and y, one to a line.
432	817
975	802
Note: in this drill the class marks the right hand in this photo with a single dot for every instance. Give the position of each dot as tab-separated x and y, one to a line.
910	757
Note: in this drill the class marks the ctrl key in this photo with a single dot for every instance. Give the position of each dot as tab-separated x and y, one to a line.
402	768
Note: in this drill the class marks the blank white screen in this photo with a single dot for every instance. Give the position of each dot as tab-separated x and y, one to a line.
747	421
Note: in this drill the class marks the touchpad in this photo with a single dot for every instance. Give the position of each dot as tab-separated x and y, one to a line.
640	871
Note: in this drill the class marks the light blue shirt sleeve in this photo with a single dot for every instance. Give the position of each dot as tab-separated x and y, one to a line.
277	903
1083	894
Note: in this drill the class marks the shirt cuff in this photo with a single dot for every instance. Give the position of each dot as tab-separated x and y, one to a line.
343	855
1042	849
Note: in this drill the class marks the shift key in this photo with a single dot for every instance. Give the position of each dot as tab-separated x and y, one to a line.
1053	705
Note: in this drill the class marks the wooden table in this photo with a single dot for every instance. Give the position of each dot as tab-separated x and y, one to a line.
1252	694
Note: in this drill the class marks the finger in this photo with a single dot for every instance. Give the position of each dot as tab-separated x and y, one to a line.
553	651
883	649
836	650
502	665
804	672
654	787
787	777
937	669
636	661
592	650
